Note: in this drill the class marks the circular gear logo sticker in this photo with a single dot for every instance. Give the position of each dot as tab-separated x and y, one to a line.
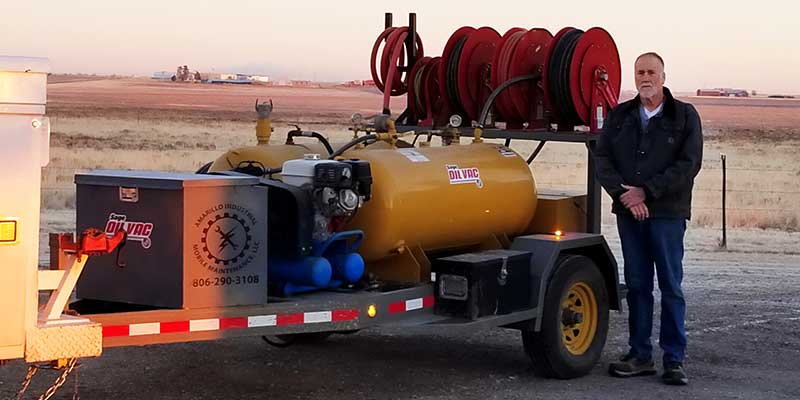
226	238
226	244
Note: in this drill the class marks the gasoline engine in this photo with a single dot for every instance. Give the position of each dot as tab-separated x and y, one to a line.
336	190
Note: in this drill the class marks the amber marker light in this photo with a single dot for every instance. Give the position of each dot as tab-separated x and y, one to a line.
372	311
558	234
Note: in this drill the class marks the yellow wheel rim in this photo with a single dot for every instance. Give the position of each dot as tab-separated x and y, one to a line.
578	318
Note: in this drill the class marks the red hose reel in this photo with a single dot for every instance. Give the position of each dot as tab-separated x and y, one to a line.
391	80
578	76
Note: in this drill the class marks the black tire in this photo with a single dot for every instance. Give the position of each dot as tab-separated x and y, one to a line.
551	355
296	338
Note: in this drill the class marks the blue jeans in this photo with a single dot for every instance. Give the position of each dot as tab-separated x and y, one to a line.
656	241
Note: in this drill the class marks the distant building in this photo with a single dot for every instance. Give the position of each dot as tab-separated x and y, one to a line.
232	81
239	78
723	92
162	75
709	92
301	83
207	76
735	93
259	78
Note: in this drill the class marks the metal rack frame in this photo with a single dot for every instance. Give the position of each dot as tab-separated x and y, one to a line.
407	121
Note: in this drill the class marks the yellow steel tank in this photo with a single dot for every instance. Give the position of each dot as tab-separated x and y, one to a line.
436	198
270	155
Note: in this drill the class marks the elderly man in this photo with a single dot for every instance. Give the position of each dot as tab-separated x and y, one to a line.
647	158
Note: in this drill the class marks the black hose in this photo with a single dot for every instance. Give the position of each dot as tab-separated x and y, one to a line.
451	76
417	82
558	77
316	135
352	143
204	169
488	105
255	168
536	151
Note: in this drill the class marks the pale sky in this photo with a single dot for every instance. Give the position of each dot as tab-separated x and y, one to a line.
754	45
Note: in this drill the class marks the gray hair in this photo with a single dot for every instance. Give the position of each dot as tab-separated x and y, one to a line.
652	54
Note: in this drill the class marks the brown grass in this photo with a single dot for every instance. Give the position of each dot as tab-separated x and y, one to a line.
138	124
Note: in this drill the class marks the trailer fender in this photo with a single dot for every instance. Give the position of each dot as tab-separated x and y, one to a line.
546	249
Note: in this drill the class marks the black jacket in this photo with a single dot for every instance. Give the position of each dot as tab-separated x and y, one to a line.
664	160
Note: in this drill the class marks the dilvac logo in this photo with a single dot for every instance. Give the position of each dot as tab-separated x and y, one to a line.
137	231
464	175
226	244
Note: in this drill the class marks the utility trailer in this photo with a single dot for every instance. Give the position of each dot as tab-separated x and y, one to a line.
561	307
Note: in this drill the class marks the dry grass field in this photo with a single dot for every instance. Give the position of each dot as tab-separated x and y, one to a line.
143	124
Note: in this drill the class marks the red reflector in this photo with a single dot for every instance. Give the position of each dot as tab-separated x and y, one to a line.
290	319
344	315
116	330
398	307
427	301
232	323
176	326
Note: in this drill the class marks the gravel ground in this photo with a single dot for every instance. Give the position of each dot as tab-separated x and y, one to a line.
744	343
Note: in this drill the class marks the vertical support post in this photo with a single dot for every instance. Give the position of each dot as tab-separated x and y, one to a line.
58	260
593	192
411	40
724	243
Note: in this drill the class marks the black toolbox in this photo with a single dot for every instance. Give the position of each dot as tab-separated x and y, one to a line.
194	240
491	282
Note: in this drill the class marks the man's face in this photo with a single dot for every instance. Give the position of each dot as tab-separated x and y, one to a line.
649	76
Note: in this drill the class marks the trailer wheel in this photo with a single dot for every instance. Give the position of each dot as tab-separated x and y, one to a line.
296	338
574	321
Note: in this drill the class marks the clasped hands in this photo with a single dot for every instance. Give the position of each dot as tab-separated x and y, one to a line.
633	199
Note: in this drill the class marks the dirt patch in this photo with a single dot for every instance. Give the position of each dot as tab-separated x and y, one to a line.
143	98
742	119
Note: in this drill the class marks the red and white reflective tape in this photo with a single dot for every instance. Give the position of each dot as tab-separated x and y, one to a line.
411	305
221	324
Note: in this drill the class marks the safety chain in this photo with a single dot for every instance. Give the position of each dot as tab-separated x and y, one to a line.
71	364
32	369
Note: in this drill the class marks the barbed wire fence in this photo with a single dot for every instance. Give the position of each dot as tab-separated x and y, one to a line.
743	200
